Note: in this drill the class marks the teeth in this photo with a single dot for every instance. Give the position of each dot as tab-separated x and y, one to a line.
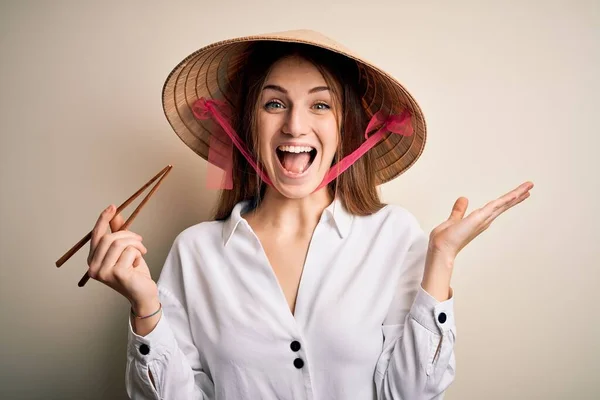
296	149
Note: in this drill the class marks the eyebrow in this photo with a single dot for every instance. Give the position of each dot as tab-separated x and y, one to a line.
282	90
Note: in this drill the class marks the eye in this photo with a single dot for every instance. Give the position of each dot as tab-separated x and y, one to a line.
274	105
321	106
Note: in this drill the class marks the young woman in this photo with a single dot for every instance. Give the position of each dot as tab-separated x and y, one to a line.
305	286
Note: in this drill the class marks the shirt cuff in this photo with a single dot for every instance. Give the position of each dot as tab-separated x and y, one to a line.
154	345
436	316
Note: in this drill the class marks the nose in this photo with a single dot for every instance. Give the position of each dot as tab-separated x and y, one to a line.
296	123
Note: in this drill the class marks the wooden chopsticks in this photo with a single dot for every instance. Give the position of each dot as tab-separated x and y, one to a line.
162	174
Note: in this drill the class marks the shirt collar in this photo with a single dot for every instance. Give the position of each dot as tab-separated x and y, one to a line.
341	218
234	220
336	212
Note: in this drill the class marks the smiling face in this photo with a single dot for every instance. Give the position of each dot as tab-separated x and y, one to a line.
297	127
293	94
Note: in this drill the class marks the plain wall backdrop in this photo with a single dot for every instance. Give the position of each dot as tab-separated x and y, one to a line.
510	93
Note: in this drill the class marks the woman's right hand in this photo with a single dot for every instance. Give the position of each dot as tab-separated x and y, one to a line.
116	259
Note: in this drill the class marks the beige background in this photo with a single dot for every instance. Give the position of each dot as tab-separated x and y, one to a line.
510	92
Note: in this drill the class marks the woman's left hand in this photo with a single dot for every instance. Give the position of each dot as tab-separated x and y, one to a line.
450	237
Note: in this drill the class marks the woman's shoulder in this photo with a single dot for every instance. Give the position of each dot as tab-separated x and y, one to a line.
397	214
392	220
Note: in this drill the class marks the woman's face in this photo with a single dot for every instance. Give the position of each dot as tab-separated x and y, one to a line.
297	127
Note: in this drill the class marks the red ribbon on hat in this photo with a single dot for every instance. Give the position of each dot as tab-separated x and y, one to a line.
220	149
397	123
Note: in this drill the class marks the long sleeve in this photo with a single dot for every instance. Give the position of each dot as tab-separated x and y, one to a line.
417	361
168	352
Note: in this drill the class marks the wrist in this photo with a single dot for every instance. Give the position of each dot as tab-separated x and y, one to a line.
437	276
146	306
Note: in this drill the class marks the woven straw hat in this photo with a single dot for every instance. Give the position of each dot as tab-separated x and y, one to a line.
212	70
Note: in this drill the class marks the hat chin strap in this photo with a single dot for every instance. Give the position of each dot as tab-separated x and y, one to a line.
221	148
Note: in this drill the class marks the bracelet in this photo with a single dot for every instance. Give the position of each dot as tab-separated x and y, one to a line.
147	316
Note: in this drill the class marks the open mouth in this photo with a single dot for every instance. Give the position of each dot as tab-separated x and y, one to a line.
296	159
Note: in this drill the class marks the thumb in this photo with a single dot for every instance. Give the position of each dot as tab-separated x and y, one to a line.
116	222
459	209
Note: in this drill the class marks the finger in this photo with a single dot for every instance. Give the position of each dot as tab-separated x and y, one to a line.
105	242
109	273
506	207
509	197
459	209
115	250
103	270
107	239
129	257
519	190
116	223
488	221
99	229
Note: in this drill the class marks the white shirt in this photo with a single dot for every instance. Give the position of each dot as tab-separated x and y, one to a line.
363	327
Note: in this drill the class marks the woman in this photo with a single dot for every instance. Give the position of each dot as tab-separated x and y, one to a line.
305	286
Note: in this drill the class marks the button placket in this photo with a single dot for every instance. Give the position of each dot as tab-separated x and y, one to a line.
295	346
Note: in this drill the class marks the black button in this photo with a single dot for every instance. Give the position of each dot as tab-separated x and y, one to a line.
295	345
298	363
442	317
144	349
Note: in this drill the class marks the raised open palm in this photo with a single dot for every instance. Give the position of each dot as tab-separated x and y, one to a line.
450	237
